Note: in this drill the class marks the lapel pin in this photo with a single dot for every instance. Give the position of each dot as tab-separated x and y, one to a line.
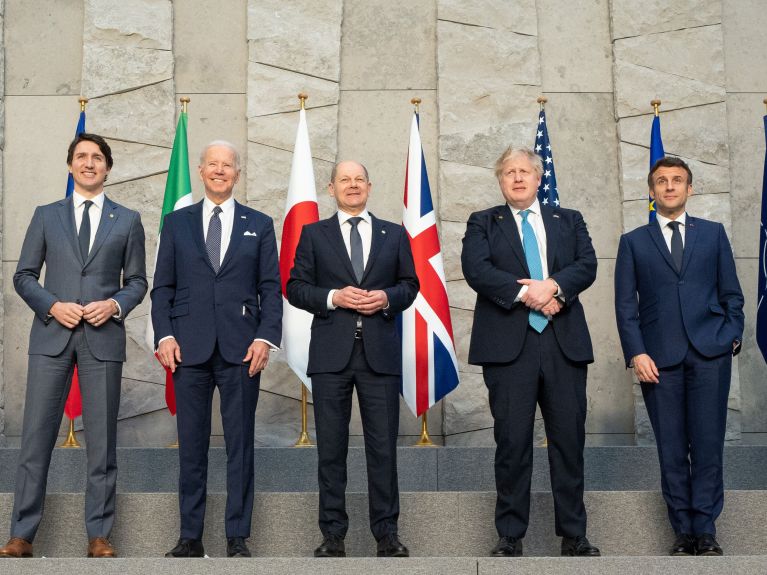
111	215
500	217
244	217
383	231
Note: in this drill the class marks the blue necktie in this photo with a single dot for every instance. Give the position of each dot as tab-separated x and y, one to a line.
355	243
213	239
536	319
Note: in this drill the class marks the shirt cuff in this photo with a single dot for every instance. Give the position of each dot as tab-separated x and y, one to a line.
269	343
522	291
162	339
119	313
330	305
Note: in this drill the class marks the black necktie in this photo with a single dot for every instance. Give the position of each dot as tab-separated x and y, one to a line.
355	241
677	250
84	235
213	240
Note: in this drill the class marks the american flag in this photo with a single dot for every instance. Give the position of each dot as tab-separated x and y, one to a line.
761	308
429	363
548	194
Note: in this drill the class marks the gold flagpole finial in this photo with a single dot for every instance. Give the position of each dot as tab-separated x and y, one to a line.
655	104
303	97
184	103
82	101
542	101
765	102
416	102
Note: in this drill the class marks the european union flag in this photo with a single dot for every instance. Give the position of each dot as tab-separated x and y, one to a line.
548	194
656	153
761	307
79	130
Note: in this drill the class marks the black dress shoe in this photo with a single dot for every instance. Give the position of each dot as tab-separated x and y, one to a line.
187	548
331	546
390	546
235	547
507	547
707	545
684	545
578	546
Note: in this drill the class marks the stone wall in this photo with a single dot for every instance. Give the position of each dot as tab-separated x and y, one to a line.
2	275
478	68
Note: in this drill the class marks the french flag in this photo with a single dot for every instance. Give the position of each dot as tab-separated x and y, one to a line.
429	363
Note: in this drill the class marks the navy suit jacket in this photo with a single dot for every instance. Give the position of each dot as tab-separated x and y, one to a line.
493	259
322	263
199	307
661	311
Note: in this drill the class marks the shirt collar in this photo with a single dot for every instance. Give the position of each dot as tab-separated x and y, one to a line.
535	208
98	200
226	206
343	217
663	221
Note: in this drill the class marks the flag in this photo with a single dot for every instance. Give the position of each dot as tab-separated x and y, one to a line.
548	195
74	405
300	208
178	194
429	363
656	153
761	308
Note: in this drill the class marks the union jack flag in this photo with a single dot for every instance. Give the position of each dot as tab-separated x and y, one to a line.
429	364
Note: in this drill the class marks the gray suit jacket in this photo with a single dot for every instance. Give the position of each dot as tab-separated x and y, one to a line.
117	254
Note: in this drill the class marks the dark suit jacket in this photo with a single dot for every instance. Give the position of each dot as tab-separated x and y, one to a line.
659	310
199	307
322	263
117	254
493	259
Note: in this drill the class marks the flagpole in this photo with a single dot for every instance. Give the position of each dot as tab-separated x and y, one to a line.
542	101
303	439
655	105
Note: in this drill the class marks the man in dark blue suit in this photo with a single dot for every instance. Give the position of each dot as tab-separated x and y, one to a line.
355	273
679	309
528	263
216	312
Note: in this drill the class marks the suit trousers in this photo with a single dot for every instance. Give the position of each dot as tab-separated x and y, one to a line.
238	393
48	381
541	374
688	412
378	397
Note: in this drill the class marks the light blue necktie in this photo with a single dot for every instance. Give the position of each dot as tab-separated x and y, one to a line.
536	319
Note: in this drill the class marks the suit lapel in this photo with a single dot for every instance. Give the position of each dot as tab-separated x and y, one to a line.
195	230
504	218
657	236
66	211
239	226
551	225
109	215
377	240
690	236
332	229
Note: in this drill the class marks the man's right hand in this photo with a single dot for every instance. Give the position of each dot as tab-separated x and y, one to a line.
349	297
169	353
67	313
644	368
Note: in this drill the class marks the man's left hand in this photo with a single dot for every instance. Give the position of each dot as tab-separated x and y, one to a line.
375	301
97	313
258	356
538	294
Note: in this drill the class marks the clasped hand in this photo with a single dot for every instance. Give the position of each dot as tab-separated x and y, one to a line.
540	296
366	302
96	313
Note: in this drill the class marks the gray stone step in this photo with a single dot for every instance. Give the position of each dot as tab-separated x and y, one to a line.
421	469
756	565
432	524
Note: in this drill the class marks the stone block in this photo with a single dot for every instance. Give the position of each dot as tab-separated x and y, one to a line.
478	438
389	45
462	323
712	207
572	61
466	408
466	189
635	214
516	15
209	47
144	23
630	18
134	161
482	146
51	64
743	24
264	99
374	128
149	429
461	296
279	131
452	236
140	397
113	69
306	40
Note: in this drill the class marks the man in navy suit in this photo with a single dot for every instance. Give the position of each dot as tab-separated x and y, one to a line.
355	273
528	263
679	309
216	312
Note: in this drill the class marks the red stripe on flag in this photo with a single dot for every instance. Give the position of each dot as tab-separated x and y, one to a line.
170	390
74	405
300	214
421	363
424	246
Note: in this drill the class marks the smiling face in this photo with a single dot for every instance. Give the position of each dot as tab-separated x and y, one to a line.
88	168
350	187
219	173
519	181
670	190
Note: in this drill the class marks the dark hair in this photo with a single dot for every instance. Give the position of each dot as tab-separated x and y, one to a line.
669	162
96	139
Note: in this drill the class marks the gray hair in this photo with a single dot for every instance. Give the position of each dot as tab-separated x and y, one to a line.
511	152
223	144
335	169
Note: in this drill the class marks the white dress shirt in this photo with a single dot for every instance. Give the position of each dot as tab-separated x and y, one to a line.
536	221
365	228
227	221
667	231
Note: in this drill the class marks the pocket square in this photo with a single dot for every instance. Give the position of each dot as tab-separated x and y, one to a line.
247	233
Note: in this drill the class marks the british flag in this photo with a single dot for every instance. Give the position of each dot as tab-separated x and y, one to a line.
429	364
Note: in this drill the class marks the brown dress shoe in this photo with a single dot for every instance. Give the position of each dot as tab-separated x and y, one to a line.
17	547
100	547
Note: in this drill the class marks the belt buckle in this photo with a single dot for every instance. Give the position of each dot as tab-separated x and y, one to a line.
358	333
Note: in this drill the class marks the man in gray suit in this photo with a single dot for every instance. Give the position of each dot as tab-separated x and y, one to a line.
86	242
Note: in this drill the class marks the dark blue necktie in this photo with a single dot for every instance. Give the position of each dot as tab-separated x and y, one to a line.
536	319
677	249
213	240
84	235
355	243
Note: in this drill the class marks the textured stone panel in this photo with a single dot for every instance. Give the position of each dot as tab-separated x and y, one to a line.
134	160
516	15
263	99
208	46
51	63
306	40
389	45
111	69
479	438
750	360
279	131
460	295
631	18
744	23
150	429
466	189
451	235
635	214
374	128
137	397
571	60
462	323
145	24
466	408
712	207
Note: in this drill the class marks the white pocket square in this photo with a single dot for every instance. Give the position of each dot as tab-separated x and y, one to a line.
250	234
